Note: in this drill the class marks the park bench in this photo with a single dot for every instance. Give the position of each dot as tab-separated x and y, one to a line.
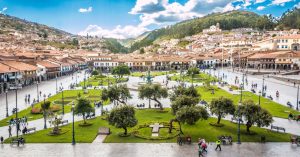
31	130
64	122
277	128
235	120
270	97
17	141
91	116
253	91
226	140
184	140
289	105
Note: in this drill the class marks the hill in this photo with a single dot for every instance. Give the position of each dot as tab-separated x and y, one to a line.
228	21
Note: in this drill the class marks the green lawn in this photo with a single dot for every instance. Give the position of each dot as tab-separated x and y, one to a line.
152	73
276	109
201	129
101	81
69	97
202	77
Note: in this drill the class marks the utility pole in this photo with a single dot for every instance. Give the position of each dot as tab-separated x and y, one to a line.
298	98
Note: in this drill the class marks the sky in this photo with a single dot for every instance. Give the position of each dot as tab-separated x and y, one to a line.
129	18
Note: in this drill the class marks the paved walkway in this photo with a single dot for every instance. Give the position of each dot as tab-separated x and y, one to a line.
149	150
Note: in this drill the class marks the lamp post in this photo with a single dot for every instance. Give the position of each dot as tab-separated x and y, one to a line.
259	97
45	124
298	98
56	84
62	99
73	128
263	84
6	103
84	79
239	115
37	91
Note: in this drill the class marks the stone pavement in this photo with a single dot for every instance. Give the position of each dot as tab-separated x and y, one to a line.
149	150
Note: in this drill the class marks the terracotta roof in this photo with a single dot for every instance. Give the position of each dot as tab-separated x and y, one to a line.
47	64
294	36
20	66
6	69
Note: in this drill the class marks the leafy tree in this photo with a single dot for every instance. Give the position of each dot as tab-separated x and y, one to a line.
153	92
142	51
191	114
122	117
192	72
254	114
83	108
182	101
95	72
188	91
119	93
45	106
75	42
121	70
221	107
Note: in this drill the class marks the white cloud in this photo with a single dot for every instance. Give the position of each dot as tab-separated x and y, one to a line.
119	32
148	6
85	10
280	2
3	10
260	8
259	1
297	5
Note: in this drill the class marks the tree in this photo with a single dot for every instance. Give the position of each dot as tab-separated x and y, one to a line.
122	117
83	107
183	101
119	93
153	92
95	72
120	71
192	72
142	50
191	114
181	90
254	114
221	107
45	106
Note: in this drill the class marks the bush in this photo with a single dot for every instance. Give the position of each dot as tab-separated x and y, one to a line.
94	73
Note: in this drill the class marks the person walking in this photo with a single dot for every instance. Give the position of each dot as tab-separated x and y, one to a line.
1	139
9	131
218	143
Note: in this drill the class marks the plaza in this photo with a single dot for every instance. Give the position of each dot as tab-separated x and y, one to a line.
132	146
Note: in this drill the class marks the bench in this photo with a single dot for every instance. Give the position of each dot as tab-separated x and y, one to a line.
235	120
29	130
17	141
64	122
91	116
277	128
289	105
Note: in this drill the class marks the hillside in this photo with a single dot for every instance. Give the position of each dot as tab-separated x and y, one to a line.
228	21
290	19
16	32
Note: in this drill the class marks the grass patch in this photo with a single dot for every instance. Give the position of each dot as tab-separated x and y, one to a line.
70	95
201	129
152	73
276	109
101	81
199	78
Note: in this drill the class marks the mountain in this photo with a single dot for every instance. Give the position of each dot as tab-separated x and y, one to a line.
16	32
290	19
228	21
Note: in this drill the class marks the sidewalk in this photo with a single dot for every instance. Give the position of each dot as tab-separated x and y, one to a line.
149	150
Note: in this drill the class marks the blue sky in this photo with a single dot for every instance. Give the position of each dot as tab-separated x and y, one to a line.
129	18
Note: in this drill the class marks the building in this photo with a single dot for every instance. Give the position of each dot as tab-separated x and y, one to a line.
212	29
287	42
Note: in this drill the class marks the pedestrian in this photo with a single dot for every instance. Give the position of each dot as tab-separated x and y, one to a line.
218	143
1	139
9	131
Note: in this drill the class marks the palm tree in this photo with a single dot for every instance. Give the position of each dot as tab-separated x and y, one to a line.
45	108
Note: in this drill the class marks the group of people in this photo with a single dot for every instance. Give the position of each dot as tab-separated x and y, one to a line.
20	122
27	98
202	146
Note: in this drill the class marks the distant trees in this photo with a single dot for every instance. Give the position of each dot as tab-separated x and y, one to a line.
120	71
142	51
153	92
122	117
221	107
192	71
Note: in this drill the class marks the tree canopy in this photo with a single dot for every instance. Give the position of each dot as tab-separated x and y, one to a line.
221	107
254	114
83	108
153	92
119	93
121	70
122	117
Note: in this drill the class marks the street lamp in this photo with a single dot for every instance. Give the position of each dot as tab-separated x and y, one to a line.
259	97
56	84
239	125
62	99
73	128
45	124
6	103
37	91
298	98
